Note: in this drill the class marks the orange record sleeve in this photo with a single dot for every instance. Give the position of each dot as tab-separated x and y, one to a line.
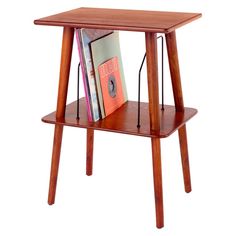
111	85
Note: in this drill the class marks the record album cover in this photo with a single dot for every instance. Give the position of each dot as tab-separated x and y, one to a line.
102	50
84	37
111	84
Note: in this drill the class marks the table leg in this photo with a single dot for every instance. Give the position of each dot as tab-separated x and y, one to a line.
67	44
89	159
157	176
185	160
55	163
152	74
179	104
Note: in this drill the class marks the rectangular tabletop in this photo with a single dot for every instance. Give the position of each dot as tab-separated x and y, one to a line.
117	19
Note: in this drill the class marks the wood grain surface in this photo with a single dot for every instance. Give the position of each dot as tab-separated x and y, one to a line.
67	45
124	120
171	44
120	19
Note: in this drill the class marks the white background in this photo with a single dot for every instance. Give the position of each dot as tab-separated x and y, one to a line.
118	199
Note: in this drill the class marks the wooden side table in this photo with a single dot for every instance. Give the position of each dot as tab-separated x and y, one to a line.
158	124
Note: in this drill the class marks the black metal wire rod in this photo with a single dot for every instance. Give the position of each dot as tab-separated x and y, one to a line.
78	72
139	86
162	79
162	72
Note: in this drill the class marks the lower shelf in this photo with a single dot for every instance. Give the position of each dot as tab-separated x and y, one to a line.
124	120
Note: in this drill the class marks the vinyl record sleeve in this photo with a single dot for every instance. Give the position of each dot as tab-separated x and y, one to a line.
111	85
102	50
84	37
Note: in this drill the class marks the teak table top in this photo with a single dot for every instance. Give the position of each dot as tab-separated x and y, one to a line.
117	19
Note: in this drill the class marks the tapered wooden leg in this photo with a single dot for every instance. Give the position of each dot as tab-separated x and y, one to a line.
184	157
157	176
55	163
171	45
89	159
67	44
179	104
152	73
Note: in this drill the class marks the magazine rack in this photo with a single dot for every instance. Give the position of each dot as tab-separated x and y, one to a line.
158	124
